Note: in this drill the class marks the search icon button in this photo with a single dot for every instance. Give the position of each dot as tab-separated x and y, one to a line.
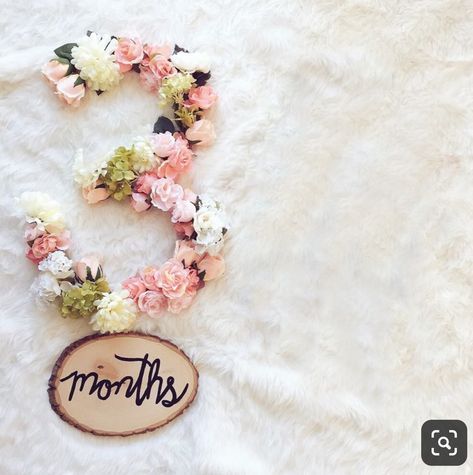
442	444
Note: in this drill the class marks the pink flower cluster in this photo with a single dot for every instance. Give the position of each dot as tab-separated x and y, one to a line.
174	285
56	73
174	152
41	243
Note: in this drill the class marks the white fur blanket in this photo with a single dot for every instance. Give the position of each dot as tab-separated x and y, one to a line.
344	157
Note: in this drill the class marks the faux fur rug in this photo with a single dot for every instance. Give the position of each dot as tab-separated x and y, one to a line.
345	160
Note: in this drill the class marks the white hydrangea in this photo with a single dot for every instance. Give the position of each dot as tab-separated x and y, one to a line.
41	209
191	62
209	224
87	173
57	264
46	287
143	156
93	57
116	312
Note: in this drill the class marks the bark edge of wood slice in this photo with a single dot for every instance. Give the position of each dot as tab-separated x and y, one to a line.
118	401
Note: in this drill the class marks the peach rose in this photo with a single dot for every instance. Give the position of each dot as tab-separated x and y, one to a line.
184	229
32	231
129	51
165	193
144	182
163	50
202	131
69	93
139	202
150	275
183	211
88	268
162	144
54	70
185	252
47	243
148	80
152	302
180	160
173	279
161	66
203	97
135	286
214	267
93	194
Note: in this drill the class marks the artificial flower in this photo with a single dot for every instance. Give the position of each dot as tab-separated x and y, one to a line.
93	57
161	67
185	252
144	182
55	70
165	193
213	266
163	144
69	91
116	312
142	158
135	286
210	225
45	244
140	202
95	192
129	51
183	211
81	300
88	268
202	132
191	62
32	231
173	279
148	79
58	264
173	87
180	160
179	304
203	97
86	173
152	302
150	275
120	174
39	208
46	287
184	229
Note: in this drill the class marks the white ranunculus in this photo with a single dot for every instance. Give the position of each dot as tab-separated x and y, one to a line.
41	209
86	173
209	224
116	312
93	57
143	156
191	62
46	287
58	264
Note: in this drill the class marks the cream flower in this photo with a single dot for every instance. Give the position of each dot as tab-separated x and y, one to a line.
209	223
41	209
191	62
143	156
116	313
87	173
47	288
58	264
93	57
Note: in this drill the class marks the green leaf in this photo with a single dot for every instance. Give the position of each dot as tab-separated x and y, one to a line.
78	81
163	124
64	51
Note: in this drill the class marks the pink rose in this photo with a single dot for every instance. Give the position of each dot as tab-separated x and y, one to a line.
93	194
148	80
163	144
203	97
180	160
69	93
183	211
163	50
129	51
214	267
185	252
139	202
202	131
165	193
181	303
150	276
32	231
47	243
144	182
54	70
189	195
152	302
161	66
184	229
135	286
173	279
88	268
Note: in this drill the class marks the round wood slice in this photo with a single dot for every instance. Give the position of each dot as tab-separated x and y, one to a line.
121	384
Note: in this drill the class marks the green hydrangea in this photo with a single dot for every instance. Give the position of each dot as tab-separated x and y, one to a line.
174	87
120	174
79	301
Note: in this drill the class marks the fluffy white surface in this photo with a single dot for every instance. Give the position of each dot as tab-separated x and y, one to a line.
345	160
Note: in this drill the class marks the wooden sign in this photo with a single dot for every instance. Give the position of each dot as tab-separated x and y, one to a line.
121	384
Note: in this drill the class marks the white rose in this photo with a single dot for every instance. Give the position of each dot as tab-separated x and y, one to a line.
209	224
58	264
87	173
191	62
46	287
39	208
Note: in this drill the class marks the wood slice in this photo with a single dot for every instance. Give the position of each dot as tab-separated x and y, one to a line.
121	384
